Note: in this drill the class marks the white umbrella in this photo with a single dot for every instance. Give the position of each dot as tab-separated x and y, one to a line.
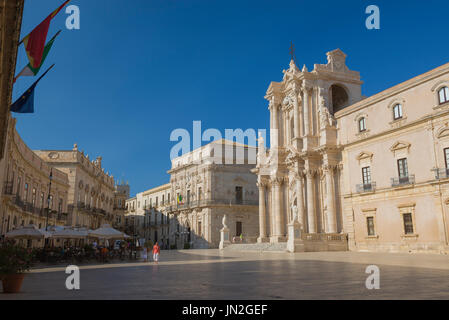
106	232
69	233
27	232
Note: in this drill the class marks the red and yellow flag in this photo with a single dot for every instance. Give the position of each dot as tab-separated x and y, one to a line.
35	41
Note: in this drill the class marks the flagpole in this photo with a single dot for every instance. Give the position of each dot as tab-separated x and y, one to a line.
53	14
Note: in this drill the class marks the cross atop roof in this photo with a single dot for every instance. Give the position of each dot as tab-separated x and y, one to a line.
292	51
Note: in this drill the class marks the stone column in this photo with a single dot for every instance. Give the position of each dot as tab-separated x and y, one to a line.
311	202
296	132
262	213
277	208
331	226
275	125
300	199
305	102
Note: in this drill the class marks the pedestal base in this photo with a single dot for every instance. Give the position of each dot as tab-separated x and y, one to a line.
277	239
224	238
263	240
295	242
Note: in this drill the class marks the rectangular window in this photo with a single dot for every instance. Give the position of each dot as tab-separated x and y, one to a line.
408	223
157	201
168	198
397	111
199	193
366	175
402	168
18	186
26	192
42	199
238	195
446	157
370	226
33	199
199	229
362	124
60	206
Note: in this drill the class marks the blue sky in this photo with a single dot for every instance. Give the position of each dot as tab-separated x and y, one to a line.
136	70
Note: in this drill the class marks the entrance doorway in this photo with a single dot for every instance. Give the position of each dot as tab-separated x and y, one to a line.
238	228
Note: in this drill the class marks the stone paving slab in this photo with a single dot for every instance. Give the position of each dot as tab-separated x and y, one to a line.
339	275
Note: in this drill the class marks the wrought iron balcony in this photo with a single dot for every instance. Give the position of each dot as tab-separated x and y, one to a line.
18	202
366	187
213	202
7	190
81	205
401	181
441	173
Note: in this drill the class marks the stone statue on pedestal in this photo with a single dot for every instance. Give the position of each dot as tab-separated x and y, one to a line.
224	222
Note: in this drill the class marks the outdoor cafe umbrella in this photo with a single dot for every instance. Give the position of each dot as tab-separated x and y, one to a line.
69	233
27	232
106	232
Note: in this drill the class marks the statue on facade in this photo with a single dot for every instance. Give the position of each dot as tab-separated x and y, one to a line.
326	119
295	213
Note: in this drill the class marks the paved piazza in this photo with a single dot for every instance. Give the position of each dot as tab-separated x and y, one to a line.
209	274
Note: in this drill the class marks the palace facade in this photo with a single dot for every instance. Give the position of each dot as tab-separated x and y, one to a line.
92	190
205	184
26	187
374	170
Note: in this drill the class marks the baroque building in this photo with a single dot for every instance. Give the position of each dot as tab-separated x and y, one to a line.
121	194
300	174
92	190
28	197
146	216
208	183
343	165
205	184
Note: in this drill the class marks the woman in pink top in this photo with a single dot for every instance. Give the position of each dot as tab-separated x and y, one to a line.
156	251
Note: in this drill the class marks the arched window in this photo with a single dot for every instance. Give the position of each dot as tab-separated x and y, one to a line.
443	95
362	124
339	97
397	111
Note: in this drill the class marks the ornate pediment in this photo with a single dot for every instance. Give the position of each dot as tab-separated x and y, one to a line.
365	155
400	145
239	179
443	132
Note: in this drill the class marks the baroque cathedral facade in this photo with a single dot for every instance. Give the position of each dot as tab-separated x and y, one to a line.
345	168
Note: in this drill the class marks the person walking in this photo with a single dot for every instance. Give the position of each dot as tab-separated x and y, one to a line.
145	254
156	251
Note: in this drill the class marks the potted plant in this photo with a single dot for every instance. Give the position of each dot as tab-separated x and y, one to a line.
14	262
